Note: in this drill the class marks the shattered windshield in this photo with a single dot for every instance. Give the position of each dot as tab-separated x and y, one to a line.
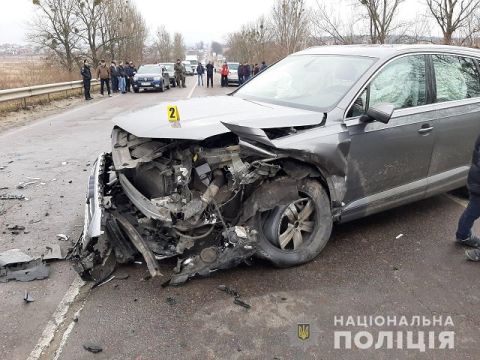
316	81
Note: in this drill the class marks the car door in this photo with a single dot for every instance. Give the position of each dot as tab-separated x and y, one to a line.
388	163
457	120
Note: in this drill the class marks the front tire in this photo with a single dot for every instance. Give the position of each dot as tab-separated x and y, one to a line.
296	233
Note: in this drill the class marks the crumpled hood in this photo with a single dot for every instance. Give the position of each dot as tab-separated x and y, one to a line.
201	118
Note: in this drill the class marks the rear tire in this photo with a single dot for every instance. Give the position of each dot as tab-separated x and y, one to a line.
304	245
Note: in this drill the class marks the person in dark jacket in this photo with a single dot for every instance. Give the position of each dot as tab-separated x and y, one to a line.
200	72
87	78
263	66
247	72
131	71
256	69
240	74
114	76
472	212
210	69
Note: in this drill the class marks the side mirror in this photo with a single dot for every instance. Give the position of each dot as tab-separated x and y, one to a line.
381	112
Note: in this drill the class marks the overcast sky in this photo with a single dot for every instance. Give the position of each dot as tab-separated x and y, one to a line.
205	20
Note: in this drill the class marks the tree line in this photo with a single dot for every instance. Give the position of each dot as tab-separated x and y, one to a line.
72	30
292	25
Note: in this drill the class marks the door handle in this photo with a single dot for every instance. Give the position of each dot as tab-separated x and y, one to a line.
425	129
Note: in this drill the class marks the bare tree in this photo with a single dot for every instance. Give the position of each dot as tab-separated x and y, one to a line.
91	14
330	26
452	15
290	25
381	15
56	27
163	44
178	46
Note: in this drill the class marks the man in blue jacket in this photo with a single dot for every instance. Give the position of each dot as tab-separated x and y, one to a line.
472	212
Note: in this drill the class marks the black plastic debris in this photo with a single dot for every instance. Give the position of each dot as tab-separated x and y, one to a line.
27	297
241	303
16	265
11	197
228	290
171	300
93	348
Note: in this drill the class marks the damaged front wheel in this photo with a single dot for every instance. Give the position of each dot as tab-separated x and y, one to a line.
296	233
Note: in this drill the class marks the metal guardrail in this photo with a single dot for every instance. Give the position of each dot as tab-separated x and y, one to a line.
26	92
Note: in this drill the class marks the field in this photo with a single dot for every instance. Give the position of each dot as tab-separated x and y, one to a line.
18	72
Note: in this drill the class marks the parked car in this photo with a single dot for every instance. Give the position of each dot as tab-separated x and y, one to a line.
189	70
326	135
169	67
151	77
233	75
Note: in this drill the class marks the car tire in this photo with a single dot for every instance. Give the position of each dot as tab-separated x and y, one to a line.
162	88
136	90
271	223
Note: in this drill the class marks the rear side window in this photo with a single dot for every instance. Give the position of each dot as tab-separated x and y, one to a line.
456	78
401	83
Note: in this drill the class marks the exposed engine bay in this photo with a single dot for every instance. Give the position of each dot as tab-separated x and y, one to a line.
195	200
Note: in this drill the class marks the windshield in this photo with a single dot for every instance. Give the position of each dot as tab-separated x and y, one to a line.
233	66
150	69
169	67
193	62
313	81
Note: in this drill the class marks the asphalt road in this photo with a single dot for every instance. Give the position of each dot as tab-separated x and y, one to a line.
367	269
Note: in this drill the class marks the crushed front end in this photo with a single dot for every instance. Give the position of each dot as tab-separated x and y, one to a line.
162	198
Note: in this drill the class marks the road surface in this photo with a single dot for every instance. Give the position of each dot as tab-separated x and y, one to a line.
399	263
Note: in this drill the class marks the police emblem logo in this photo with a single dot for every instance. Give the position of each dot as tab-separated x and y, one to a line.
303	332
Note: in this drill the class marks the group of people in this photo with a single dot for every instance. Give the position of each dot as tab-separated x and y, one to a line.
245	71
114	78
119	78
201	70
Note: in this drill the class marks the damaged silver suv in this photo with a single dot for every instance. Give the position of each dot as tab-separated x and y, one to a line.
326	135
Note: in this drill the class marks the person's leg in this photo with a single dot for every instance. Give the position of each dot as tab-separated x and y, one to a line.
108	87
198	79
464	231
102	82
87	89
85	93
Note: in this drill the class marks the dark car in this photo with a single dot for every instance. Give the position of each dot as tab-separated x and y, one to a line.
327	135
169	68
151	77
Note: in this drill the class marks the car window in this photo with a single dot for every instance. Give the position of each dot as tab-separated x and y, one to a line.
359	107
401	83
456	78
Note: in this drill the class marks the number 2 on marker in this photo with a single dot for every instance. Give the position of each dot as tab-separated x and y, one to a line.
172	113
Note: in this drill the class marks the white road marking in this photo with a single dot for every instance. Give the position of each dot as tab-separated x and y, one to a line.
457	200
57	319
67	332
191	91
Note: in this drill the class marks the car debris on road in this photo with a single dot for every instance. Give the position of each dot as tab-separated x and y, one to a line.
16	265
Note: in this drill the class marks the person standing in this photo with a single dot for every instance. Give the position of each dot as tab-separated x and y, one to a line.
224	73
247	72
122	75
114	76
210	69
263	66
131	71
256	69
103	74
464	233
200	72
240	73
180	73
87	78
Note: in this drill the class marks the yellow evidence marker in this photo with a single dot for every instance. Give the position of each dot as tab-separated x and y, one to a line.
172	113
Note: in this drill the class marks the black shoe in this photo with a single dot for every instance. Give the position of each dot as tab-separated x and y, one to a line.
472	241
473	254
90	98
